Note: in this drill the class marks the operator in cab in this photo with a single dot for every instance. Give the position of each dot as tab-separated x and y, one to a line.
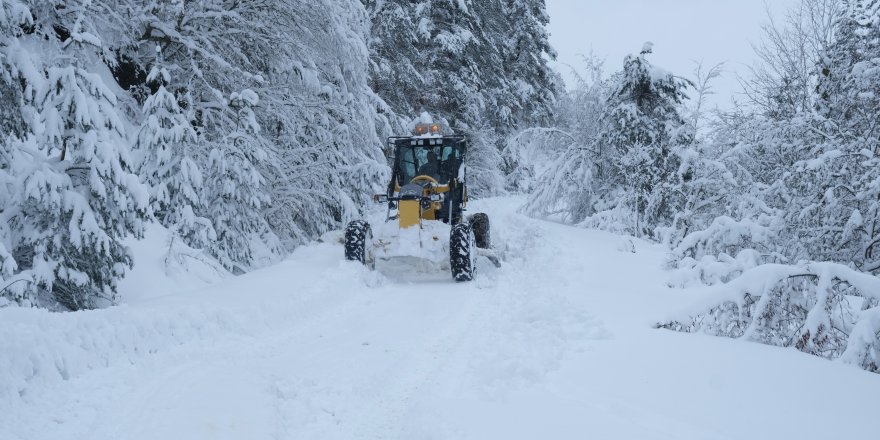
431	167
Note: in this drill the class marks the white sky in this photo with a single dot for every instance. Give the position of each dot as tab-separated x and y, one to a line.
683	31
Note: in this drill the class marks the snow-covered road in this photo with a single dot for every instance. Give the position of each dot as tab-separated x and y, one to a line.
557	343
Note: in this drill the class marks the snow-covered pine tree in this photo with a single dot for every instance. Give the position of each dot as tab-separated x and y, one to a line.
13	16
627	138
842	91
8	265
526	89
480	65
321	124
74	198
237	194
165	142
642	134
197	154
441	67
93	201
462	67
394	56
16	286
326	132
842	163
519	89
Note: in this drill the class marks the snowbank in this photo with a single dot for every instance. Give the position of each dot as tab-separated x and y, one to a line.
40	350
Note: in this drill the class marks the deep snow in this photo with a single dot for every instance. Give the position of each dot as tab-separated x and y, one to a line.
557	343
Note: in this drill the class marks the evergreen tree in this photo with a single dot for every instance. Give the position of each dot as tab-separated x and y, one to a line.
394	56
527	90
84	204
9	291
13	16
307	170
643	131
841	167
482	66
72	198
842	90
319	146
165	141
237	193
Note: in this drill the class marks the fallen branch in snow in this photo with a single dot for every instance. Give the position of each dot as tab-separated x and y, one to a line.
175	259
824	309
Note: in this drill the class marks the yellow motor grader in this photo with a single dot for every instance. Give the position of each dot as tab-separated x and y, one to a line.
426	199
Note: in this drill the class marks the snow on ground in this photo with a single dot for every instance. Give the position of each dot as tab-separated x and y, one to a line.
167	266
557	343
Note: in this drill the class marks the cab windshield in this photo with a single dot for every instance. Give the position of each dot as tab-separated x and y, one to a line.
438	161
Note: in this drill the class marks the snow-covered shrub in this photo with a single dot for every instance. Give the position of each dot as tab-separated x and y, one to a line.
565	190
824	309
529	153
725	249
484	162
562	160
801	170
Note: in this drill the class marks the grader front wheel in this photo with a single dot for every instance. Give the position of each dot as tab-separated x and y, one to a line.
359	243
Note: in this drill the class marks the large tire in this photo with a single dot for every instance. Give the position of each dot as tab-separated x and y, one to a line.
462	252
359	242
480	225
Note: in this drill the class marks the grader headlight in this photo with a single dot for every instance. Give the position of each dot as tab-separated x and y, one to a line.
422	129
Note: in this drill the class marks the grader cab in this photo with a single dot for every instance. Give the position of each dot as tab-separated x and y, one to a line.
426	200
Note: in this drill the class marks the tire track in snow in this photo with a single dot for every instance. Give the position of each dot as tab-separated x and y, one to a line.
524	331
376	404
534	325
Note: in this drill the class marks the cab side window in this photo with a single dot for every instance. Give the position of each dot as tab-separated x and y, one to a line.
407	165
